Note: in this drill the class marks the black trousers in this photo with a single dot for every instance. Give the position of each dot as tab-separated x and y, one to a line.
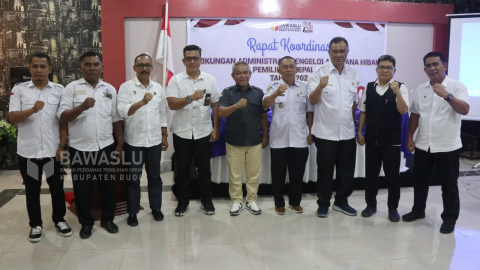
331	155
90	167
447	166
390	155
137	156
31	170
200	151
295	160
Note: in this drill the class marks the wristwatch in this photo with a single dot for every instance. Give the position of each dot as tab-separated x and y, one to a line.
449	97
64	146
189	99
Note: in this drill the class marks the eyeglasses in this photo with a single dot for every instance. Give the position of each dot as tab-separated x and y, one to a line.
189	59
141	66
382	68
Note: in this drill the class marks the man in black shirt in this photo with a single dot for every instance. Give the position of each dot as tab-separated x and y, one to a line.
242	105
382	107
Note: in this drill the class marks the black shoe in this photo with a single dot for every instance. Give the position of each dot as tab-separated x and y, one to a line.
86	231
447	228
63	228
412	216
181	209
132	220
157	215
369	211
393	215
35	234
208	208
109	226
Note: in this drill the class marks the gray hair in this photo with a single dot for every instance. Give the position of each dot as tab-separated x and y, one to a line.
240	63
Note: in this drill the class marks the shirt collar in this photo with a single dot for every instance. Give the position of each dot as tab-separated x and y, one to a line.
31	84
82	80
294	82
332	67
237	88
138	83
199	76
444	82
377	82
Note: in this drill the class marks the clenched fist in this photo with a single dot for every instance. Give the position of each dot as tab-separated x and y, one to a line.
197	95
88	103
440	90
323	82
147	97
242	103
395	87
281	90
38	106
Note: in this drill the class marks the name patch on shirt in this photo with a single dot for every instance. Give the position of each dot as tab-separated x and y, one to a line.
80	92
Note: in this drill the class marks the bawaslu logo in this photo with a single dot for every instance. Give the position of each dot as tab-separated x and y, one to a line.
306	27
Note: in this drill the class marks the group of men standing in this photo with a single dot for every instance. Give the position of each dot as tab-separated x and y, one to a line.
99	125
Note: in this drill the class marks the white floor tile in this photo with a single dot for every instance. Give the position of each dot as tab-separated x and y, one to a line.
51	241
91	259
101	239
462	261
217	257
416	263
30	260
286	254
356	266
165	258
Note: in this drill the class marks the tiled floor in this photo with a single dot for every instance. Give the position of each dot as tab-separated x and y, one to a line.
293	241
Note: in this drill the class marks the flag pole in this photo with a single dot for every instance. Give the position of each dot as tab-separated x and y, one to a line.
165	39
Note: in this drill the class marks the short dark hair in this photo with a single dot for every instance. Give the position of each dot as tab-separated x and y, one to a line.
91	53
286	57
140	55
434	54
388	58
41	55
192	48
337	40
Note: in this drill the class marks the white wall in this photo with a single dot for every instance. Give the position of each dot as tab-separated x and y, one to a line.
408	43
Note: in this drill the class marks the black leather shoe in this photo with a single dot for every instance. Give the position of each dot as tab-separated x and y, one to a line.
157	215
393	215
86	231
447	228
369	211
132	220
109	226
412	216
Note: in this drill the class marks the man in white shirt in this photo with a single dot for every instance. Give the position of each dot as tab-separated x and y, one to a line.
332	88
190	95
89	106
386	101
437	111
290	134
141	102
40	143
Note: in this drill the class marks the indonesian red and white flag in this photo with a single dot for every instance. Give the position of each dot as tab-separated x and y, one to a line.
161	45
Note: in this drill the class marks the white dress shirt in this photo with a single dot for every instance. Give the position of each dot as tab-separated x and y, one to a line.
144	127
381	91
39	134
193	120
438	125
92	130
289	123
333	118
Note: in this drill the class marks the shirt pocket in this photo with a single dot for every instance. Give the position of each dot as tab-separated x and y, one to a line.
328	94
256	107
78	100
353	91
27	102
105	106
301	102
52	106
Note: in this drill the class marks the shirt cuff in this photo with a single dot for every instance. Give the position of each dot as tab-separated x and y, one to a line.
124	111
